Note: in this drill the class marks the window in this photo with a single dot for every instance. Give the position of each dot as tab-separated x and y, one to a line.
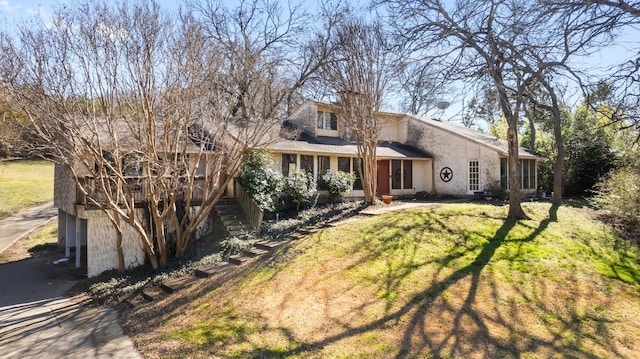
526	169
306	164
327	121
401	174
396	173
528	174
132	166
504	174
357	183
288	163
344	165
474	175
324	165
407	173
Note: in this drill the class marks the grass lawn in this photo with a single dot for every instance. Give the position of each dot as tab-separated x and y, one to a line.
24	184
458	281
32	246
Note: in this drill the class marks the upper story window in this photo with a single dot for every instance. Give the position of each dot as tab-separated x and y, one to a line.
327	121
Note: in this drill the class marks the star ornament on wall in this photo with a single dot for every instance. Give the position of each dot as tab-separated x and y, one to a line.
446	174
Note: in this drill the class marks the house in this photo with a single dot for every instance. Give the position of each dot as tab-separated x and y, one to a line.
85	227
415	153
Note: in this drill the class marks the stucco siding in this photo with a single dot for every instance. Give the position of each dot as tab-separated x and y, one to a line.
451	156
64	193
101	245
305	117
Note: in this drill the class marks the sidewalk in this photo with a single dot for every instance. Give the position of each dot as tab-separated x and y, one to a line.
36	320
19	225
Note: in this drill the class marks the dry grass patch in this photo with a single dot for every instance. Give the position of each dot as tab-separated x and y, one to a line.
457	281
39	243
24	184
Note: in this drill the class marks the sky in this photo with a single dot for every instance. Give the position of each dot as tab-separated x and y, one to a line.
13	12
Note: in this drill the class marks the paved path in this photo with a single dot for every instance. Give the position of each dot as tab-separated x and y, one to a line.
397	206
19	225
36	320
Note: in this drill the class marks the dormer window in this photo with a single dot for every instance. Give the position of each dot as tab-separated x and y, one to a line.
327	121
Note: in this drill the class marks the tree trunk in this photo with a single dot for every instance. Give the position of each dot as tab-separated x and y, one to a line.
558	164
119	249
515	207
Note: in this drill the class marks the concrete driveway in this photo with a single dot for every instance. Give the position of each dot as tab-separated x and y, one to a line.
38	321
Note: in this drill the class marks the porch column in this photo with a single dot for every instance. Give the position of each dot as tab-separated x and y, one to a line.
78	241
70	233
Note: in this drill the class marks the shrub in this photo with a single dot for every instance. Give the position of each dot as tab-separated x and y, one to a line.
232	246
495	190
260	180
299	190
336	183
619	197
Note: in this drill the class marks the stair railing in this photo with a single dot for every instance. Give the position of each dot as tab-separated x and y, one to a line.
252	211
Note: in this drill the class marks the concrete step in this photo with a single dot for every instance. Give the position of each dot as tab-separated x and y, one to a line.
295	235
153	293
229	210
239	233
175	284
270	245
136	301
224	201
239	259
239	227
254	252
212	269
233	218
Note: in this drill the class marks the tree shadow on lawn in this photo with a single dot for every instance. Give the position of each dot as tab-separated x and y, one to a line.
471	331
468	329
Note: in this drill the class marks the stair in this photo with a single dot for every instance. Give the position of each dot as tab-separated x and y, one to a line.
259	249
233	218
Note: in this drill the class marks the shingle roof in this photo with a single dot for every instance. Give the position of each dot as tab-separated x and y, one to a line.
487	140
337	146
501	146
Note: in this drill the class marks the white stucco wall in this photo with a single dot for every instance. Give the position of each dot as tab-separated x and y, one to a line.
305	117
101	245
455	152
64	192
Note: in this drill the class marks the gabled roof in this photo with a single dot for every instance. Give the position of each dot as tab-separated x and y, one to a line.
305	143
499	145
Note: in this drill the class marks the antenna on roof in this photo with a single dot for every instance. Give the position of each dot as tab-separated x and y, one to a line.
442	105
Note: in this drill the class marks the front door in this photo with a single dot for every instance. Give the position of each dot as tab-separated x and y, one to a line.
383	177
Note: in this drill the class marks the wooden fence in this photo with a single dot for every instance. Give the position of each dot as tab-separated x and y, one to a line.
252	211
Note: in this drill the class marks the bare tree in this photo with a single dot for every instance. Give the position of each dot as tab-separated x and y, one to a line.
360	70
523	48
471	37
142	109
152	113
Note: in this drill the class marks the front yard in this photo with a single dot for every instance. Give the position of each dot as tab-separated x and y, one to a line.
455	281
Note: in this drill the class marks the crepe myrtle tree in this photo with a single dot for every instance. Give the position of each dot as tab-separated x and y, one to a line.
359	71
142	108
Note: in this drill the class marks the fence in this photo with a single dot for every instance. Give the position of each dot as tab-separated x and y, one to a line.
252	211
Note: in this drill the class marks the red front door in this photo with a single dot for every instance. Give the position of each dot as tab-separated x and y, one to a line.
383	177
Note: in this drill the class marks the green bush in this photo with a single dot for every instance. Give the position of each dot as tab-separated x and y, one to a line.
336	183
619	197
261	181
299	190
232	246
495	190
